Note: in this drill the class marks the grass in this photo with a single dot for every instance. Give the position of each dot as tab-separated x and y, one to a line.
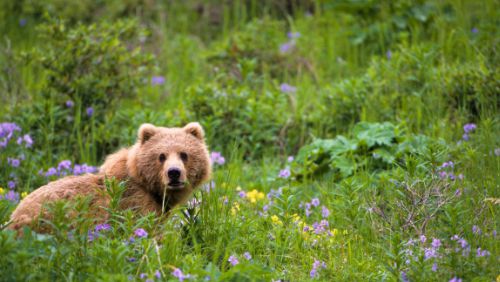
395	211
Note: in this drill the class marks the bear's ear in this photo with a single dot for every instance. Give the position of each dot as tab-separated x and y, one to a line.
195	129
146	131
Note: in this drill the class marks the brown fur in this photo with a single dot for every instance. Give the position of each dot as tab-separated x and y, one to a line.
148	186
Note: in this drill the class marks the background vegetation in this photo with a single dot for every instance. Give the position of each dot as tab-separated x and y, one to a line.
360	138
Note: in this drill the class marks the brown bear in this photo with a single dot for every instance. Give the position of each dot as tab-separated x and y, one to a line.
160	171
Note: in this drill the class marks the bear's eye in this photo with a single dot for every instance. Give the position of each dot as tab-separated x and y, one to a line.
162	158
184	156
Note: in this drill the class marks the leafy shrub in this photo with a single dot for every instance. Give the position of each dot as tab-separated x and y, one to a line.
372	147
86	71
256	48
250	120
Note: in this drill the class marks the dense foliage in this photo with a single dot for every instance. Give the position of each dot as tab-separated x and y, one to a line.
352	140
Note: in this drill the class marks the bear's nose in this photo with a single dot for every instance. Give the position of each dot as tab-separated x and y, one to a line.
174	173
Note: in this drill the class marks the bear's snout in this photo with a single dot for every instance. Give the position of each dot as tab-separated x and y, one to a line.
174	173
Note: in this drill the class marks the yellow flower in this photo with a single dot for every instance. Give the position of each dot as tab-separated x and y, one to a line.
276	220
235	208
24	194
335	231
2	191
238	188
255	195
498	278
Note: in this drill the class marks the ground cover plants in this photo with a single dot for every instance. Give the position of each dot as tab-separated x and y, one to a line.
350	140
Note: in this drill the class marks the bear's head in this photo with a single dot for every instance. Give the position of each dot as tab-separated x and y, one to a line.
169	161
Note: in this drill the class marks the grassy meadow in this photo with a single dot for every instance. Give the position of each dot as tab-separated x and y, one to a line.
351	140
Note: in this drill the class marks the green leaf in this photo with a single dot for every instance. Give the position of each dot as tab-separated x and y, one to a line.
373	134
384	155
345	165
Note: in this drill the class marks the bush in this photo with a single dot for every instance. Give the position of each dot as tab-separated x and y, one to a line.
86	71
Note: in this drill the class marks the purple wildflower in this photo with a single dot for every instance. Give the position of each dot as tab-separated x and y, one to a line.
284	173
158	274
177	273
217	158
242	194
315	202
463	243
12	196
287	88
13	162
143	275
11	184
482	253
466	137
233	260
474	30
265	208
430	253
388	54
22	22
316	265
455	279
91	236
404	277
287	47
423	238
468	128
325	212
141	233
102	227
448	164
131	259
476	230
89	111
70	104
51	172
436	243
443	174
435	267
157	80
27	140
291	158
247	256
293	35
64	165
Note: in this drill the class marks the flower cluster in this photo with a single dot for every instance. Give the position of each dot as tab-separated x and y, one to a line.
314	203
290	44
315	267
177	273
11	196
157	80
98	229
233	259
287	88
217	158
7	130
446	171
286	173
143	276
64	168
468	129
